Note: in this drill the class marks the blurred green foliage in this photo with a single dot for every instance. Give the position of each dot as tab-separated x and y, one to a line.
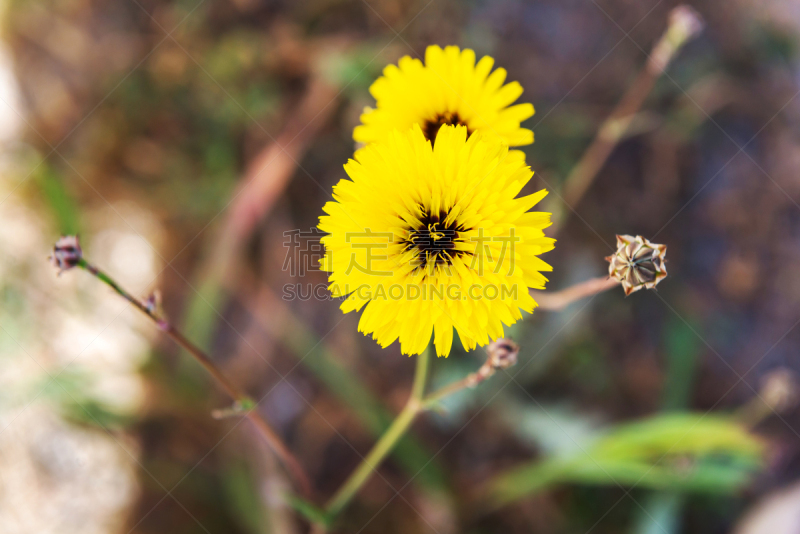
308	510
682	352
58	199
677	451
241	490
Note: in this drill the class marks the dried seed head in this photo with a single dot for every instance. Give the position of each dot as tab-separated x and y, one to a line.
502	353
637	263
67	253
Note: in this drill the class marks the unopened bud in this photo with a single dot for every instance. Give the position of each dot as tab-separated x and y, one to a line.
67	253
637	263
779	390
686	22
153	302
502	353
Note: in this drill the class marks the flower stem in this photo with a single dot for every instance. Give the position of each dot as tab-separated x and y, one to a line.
469	381
420	375
249	408
558	300
387	441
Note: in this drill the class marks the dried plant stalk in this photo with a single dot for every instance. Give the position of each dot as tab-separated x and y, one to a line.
67	254
684	24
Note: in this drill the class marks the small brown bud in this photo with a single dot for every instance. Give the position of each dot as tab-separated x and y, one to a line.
637	263
67	253
502	353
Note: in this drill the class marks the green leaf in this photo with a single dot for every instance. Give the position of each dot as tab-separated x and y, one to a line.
240	488
308	510
683	354
678	451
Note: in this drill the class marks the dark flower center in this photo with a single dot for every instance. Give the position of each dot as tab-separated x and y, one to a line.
431	127
435	240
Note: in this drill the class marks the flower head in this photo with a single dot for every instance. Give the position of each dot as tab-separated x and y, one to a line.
637	263
450	88
67	253
428	239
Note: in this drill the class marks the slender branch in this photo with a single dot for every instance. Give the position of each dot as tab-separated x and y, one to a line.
454	387
386	442
468	382
684	24
248	408
558	300
501	354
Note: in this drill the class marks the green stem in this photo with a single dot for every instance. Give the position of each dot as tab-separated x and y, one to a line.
387	441
421	375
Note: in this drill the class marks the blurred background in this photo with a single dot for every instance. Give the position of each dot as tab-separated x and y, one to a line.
192	145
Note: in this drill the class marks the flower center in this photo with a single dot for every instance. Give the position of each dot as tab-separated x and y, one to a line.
431	127
435	240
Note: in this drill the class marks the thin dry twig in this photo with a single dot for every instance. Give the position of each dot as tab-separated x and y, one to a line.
684	24
500	354
558	300
67	254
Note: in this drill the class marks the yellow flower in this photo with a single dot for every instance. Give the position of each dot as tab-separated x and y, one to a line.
448	89
428	239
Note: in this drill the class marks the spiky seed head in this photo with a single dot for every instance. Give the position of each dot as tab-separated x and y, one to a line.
637	263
